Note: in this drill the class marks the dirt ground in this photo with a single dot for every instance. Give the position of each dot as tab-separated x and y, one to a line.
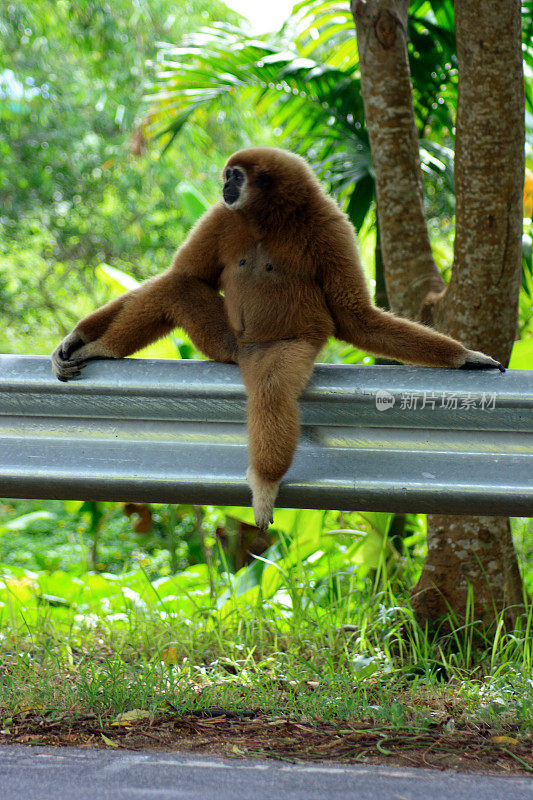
219	732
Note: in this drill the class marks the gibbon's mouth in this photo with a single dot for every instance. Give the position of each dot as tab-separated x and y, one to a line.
230	194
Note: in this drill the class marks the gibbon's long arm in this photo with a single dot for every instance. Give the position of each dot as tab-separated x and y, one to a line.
381	333
186	295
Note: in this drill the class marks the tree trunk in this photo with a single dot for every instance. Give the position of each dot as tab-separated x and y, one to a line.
463	552
480	305
410	271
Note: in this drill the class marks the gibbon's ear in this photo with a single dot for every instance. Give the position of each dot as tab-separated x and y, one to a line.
263	181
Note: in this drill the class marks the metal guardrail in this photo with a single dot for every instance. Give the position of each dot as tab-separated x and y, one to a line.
381	438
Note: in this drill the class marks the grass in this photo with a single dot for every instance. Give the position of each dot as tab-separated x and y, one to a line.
126	642
310	634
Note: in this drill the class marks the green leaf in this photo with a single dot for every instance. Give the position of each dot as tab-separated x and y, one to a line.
192	201
522	355
163	348
361	201
116	279
380	521
24	522
271	570
72	506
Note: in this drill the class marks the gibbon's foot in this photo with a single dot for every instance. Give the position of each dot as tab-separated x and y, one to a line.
476	360
264	495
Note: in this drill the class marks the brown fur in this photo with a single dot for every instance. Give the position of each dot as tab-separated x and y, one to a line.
287	263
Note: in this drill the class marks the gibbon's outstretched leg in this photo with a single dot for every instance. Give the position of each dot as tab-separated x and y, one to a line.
383	334
142	316
275	374
185	295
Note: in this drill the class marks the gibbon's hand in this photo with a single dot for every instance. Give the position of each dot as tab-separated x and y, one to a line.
63	366
71	356
477	360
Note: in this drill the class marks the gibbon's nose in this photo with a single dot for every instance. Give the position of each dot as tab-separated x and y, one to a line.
230	193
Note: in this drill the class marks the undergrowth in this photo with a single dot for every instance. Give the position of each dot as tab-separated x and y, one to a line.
305	632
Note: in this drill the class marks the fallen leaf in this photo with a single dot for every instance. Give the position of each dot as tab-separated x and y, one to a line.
504	740
30	738
127	717
109	742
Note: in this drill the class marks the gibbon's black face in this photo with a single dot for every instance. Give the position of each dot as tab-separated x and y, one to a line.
234	190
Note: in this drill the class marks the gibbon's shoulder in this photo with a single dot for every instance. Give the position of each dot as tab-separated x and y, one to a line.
217	230
215	219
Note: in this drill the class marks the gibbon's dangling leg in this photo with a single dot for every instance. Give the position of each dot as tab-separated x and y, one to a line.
384	334
275	374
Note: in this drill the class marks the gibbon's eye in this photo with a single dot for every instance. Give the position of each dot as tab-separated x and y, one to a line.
238	177
227	174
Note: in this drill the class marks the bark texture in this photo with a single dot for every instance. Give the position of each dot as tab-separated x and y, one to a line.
463	552
410	271
481	302
480	306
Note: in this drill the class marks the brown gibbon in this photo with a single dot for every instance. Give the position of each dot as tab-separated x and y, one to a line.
264	278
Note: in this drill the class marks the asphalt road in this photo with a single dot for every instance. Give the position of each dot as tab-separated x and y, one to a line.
47	773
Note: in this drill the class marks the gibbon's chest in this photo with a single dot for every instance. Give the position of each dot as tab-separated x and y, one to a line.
252	285
265	300
253	270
